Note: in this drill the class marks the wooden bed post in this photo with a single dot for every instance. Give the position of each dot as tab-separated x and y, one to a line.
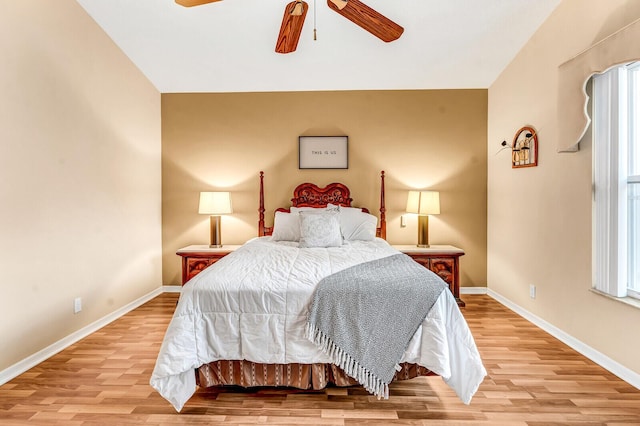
383	221
261	209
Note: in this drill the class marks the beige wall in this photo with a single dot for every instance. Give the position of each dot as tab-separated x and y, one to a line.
539	220
422	139
80	176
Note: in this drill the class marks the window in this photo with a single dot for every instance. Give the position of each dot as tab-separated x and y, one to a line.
633	181
616	129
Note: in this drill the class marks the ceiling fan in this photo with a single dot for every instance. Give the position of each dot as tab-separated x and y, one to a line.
296	11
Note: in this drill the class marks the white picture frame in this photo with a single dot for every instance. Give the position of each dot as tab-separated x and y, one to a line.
323	152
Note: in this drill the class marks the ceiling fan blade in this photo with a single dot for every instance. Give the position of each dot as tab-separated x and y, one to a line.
189	3
292	22
365	17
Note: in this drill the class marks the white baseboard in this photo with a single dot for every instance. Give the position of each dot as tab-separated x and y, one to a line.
171	288
599	358
31	361
473	290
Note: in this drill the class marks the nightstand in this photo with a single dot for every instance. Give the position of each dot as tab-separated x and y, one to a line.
443	260
197	257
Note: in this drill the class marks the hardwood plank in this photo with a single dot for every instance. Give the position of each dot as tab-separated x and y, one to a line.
533	380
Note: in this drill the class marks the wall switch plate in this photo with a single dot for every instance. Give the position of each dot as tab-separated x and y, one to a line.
77	305
532	291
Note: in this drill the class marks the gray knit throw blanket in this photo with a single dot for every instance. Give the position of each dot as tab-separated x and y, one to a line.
364	317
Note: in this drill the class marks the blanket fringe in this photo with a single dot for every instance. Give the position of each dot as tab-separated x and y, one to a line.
368	380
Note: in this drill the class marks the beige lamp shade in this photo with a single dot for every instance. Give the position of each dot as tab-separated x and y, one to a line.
215	204
423	203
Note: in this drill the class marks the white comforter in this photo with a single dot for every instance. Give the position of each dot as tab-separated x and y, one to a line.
252	305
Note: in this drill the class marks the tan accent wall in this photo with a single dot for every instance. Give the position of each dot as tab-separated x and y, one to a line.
80	176
422	139
539	220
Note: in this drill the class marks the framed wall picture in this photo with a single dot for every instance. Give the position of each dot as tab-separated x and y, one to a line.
323	152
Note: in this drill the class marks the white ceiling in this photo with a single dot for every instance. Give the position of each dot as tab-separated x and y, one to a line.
229	46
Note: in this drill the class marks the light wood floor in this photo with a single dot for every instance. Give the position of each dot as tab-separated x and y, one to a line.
533	380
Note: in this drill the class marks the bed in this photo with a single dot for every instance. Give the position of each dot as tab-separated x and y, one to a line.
249	319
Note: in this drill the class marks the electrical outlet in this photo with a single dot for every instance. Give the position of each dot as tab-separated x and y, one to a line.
77	305
532	291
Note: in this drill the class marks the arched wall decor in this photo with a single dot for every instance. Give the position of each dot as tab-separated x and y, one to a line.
524	148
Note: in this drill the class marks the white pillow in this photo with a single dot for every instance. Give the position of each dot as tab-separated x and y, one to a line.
356	224
320	229
286	227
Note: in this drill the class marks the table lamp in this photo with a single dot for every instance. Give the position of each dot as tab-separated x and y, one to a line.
215	204
423	203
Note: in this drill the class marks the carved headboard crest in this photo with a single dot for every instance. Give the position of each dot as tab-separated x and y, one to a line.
311	195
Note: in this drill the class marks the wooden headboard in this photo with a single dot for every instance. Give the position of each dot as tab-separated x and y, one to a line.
311	195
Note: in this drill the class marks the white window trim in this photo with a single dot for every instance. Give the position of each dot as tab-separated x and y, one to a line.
609	207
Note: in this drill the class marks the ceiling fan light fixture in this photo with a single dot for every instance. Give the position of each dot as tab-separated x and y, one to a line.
296	11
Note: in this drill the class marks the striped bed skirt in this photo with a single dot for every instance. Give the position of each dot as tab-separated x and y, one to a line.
300	376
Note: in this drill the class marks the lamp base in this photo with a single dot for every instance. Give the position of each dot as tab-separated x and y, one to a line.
423	245
216	231
423	231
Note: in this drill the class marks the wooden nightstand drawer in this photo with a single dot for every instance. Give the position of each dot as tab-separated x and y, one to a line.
445	267
197	257
192	266
442	260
